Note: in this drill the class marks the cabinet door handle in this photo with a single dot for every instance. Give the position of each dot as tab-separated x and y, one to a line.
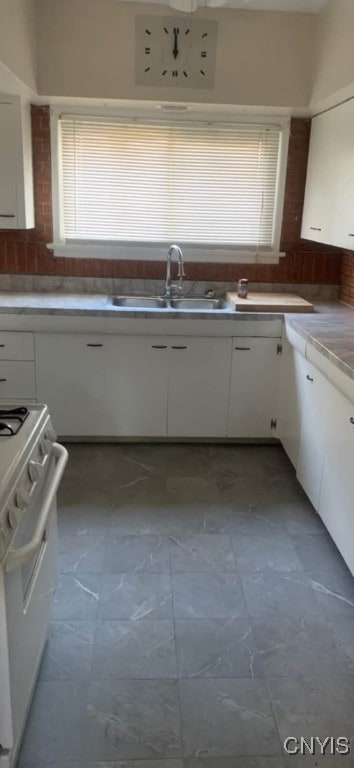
2	345
243	349
351	420
3	379
158	346
7	215
350	234
179	347
309	378
316	229
94	345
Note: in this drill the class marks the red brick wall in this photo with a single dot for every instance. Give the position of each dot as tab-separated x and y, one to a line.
346	292
25	252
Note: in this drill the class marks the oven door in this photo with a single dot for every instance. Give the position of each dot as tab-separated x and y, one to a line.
29	575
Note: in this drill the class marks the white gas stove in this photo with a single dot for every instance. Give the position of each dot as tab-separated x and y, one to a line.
31	467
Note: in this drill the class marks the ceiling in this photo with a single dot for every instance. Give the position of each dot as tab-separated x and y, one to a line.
303	6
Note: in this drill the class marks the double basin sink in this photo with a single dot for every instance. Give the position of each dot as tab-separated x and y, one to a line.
185	304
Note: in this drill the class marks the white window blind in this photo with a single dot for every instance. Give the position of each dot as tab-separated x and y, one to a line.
133	182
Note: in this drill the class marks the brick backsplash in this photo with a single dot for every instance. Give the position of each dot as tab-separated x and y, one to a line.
346	292
25	252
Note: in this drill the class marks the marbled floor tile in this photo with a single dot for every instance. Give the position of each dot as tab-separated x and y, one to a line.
334	593
136	596
216	648
136	719
207	595
68	653
319	761
313	706
318	553
83	509
189	488
76	597
130	554
297	514
227	718
55	724
235	762
134	650
294	647
273	551
82	554
109	764
278	595
206	552
168	516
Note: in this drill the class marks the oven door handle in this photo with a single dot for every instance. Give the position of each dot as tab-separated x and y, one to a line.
17	557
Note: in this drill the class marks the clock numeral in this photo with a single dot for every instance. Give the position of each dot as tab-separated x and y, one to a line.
164	72
202	72
165	30
147	69
175	73
187	32
147	50
148	32
205	34
203	54
185	73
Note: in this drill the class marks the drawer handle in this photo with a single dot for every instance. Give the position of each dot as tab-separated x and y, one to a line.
7	215
351	420
243	349
316	229
179	347
3	379
350	234
158	346
94	345
309	378
2	346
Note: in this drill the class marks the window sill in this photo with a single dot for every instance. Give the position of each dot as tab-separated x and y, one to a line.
151	252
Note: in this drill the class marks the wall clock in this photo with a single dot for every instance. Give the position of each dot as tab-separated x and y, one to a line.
175	51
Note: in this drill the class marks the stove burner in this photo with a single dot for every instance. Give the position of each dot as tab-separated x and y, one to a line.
11	420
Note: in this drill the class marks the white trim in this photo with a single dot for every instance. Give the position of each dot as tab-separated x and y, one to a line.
148	251
158	252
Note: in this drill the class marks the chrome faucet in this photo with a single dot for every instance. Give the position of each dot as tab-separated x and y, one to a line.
169	289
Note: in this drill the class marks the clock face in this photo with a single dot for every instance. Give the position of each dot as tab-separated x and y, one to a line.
175	51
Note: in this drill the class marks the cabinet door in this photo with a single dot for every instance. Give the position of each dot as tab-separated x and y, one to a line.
314	391
288	406
72	380
16	182
254	380
198	390
137	385
8	196
336	505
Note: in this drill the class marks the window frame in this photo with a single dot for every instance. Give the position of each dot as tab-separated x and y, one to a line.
149	251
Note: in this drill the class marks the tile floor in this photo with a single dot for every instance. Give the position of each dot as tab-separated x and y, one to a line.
202	614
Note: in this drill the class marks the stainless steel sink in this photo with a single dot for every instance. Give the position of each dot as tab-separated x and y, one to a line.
198	303
140	302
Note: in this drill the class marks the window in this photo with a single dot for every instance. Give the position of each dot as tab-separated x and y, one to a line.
206	185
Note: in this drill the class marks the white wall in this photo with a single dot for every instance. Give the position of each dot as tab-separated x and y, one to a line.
86	49
333	64
18	39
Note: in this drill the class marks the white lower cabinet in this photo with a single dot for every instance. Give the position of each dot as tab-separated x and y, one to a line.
314	392
198	388
137	385
336	503
254	381
289	403
71	374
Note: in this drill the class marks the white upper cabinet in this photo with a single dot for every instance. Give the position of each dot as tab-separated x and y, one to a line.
16	181
328	215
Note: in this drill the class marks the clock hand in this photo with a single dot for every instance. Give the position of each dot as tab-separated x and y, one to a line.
175	45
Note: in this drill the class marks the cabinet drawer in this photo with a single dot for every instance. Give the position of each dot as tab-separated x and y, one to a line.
16	346
17	380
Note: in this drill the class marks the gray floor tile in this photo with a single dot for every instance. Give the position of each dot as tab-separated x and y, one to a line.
318	553
134	650
55	725
133	720
76	597
206	552
130	554
83	508
110	764
270	551
334	594
215	648
235	762
82	554
207	595
68	653
279	595
227	718
168	515
188	488
136	596
293	647
313	706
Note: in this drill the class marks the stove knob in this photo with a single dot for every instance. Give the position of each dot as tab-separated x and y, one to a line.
22	499
45	447
13	517
51	434
35	470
